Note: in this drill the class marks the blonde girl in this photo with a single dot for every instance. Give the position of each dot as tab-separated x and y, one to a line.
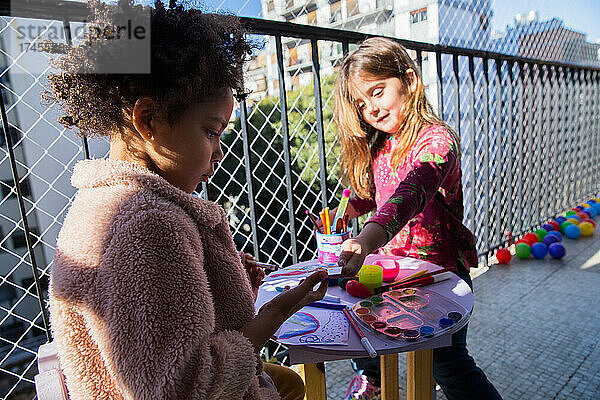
403	161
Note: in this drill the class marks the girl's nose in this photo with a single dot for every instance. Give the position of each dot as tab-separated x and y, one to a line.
217	154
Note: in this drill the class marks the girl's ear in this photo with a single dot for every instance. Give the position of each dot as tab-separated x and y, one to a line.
413	80
142	114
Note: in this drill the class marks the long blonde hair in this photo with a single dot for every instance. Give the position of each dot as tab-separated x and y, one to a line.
381	58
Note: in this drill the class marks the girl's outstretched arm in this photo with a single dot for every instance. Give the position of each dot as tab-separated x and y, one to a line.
435	156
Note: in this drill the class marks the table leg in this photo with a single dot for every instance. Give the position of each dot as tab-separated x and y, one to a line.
314	381
389	377
419	374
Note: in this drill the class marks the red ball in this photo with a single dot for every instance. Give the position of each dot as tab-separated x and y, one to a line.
522	241
503	256
582	215
531	238
555	225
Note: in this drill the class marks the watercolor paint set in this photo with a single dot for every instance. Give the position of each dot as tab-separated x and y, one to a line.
409	314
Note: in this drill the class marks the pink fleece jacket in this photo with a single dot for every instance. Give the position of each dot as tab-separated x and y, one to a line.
148	292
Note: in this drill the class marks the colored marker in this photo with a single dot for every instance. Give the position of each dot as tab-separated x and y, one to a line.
428	280
327	305
363	339
314	221
341	210
327	222
270	267
406	280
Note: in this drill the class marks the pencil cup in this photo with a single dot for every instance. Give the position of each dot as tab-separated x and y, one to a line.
329	247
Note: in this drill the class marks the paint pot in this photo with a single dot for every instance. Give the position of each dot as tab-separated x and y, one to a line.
445	322
369	318
455	316
426	331
411	334
378	324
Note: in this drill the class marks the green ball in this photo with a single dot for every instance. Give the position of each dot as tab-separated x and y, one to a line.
569	213
523	250
563	225
541	233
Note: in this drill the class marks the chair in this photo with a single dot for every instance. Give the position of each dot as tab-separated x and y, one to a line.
50	381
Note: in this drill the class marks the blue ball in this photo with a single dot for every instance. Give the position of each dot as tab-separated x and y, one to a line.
556	234
587	212
547	227
575	217
549	239
557	250
560	220
539	250
591	202
572	232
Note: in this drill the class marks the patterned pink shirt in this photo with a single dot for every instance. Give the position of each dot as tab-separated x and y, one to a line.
420	203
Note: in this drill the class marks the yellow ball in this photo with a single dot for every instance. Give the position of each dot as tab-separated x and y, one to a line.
587	229
573	221
585	205
597	199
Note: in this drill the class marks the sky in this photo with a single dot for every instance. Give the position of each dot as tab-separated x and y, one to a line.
580	15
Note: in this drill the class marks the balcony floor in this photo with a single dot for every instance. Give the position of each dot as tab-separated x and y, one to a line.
551	309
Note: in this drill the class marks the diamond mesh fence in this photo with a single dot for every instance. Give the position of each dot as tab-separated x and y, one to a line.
529	136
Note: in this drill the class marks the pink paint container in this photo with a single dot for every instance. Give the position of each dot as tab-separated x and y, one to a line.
329	247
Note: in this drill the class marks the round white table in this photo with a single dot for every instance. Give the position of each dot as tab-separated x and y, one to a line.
420	384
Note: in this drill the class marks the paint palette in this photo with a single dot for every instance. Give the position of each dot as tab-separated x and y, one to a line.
409	314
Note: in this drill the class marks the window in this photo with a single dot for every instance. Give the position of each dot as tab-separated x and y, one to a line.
312	17
352	7
7	187
15	136
18	238
336	12
419	15
7	292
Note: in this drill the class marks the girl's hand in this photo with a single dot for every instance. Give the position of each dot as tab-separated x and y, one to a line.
354	250
274	313
255	273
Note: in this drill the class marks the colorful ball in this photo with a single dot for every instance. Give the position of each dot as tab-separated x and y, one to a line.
573	220
582	215
503	256
585	205
572	232
575	217
591	221
522	241
555	225
549	239
531	238
556	234
577	209
570	212
586	228
547	227
522	250
588	212
539	250
557	250
541	233
591	202
563	225
560	220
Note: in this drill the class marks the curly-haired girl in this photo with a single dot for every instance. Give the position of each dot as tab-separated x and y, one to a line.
149	298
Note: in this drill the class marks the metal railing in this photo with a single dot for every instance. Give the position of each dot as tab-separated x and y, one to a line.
530	133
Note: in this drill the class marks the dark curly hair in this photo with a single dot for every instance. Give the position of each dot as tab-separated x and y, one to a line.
192	56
